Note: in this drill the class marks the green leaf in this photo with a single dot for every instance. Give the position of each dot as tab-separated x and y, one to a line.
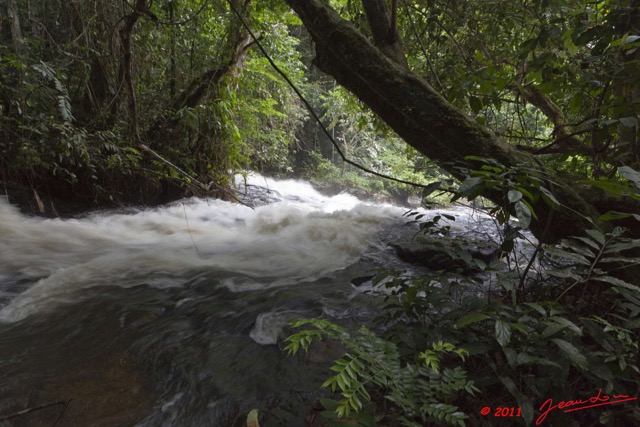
632	39
526	194
475	104
567	323
537	307
551	330
613	215
470	318
628	122
630	174
252	418
523	214
578	248
597	235
503	332
523	401
572	353
470	186
622	246
617	282
430	188
514	196
548	195
589	242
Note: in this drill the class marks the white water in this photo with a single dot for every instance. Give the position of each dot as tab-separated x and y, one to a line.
285	242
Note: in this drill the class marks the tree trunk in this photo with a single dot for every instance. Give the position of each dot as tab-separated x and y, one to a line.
424	119
127	64
383	29
14	24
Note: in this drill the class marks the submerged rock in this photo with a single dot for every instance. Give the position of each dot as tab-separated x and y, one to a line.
445	253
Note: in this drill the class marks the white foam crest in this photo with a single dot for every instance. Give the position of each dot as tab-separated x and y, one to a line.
302	191
290	241
285	187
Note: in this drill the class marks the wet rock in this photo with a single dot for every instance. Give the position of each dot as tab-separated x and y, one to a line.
255	195
357	281
448	254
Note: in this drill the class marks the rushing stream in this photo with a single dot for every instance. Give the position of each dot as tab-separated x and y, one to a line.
174	316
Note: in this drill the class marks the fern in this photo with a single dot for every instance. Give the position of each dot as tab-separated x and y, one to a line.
62	97
417	390
587	258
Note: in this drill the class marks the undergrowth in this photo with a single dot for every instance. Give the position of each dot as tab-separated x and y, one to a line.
564	328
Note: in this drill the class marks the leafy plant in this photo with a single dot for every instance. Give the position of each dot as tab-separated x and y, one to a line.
419	390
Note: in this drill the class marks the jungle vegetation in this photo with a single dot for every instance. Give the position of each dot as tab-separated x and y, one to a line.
531	104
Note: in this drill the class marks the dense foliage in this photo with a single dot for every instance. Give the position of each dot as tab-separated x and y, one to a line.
110	101
83	84
551	323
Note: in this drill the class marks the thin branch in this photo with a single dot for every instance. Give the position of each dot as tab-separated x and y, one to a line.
546	148
37	408
66	405
206	188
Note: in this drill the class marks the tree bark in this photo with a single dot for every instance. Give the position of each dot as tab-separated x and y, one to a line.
383	29
424	119
14	24
127	64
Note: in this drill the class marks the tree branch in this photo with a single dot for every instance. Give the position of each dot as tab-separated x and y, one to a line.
383	29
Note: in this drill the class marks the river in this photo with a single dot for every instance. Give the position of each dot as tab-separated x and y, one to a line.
174	316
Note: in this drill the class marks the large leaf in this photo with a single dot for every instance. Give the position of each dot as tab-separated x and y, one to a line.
617	282
514	196
503	332
430	188
579	248
569	255
523	213
572	353
630	174
537	307
471	318
597	235
567	323
523	401
471	186
613	215
252	418
548	195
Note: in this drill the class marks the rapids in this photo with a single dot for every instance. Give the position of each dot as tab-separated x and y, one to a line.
174	316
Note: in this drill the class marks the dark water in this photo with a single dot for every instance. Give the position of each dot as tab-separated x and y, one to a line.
175	316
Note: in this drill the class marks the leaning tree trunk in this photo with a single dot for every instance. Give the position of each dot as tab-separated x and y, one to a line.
424	119
201	88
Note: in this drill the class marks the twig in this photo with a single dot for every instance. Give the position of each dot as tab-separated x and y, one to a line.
37	408
66	405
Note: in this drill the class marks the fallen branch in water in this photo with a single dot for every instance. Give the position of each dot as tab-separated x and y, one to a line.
37	408
206	188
